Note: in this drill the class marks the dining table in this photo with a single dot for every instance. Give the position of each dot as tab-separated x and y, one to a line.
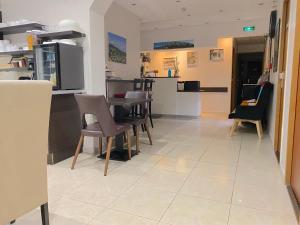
121	106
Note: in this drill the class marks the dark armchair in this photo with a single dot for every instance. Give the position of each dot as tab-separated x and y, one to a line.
255	111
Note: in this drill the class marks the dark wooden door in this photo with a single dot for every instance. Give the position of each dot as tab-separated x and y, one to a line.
295	178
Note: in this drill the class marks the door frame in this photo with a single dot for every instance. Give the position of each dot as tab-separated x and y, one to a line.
281	71
293	97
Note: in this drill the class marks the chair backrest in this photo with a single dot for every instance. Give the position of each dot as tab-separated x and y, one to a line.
148	85
265	95
138	84
24	124
96	105
143	109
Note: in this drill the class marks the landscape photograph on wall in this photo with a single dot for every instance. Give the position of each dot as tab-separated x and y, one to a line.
174	44
117	48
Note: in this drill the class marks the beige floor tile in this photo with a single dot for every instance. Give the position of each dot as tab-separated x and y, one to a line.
112	217
189	152
223	157
187	210
176	165
162	180
71	210
215	171
260	196
218	189
102	191
196	157
145	202
247	216
246	174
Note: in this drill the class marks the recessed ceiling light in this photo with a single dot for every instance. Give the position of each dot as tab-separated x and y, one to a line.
183	9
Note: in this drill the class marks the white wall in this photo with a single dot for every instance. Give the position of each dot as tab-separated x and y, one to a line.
203	35
50	13
209	73
90	16
123	23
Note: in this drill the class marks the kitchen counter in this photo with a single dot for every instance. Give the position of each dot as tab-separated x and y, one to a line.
167	101
64	127
67	92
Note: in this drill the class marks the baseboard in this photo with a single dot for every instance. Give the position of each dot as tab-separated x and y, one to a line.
294	203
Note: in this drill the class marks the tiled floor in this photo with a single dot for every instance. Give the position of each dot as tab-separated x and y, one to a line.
194	174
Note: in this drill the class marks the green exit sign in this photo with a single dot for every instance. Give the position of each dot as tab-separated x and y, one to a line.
249	28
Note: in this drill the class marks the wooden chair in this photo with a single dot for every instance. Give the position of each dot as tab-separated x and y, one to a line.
138	116
148	88
104	127
24	119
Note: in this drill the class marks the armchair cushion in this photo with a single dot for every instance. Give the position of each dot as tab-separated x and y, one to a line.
24	119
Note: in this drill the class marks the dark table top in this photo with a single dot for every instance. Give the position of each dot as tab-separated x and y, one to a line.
127	101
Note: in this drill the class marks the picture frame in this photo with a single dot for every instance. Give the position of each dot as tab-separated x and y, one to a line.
216	55
192	59
169	63
117	48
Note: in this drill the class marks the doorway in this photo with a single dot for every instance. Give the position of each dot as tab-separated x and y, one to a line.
249	69
248	64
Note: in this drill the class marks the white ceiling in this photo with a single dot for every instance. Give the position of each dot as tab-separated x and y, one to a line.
156	14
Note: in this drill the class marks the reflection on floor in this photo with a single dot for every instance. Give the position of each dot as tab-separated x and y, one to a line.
195	174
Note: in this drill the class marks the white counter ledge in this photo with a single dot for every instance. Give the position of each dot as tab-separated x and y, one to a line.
68	92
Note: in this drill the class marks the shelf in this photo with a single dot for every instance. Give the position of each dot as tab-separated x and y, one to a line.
14	69
18	53
18	29
61	35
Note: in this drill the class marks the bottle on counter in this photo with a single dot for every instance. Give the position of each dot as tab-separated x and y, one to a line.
169	72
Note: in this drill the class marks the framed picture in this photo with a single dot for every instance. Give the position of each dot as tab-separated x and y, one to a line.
117	48
169	63
216	54
191	59
174	44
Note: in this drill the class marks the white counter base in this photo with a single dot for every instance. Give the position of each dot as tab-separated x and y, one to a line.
167	101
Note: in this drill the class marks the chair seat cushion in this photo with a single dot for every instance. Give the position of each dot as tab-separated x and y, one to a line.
136	121
122	127
92	130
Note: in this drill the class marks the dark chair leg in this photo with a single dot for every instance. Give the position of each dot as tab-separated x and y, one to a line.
150	114
143	127
12	222
45	214
134	130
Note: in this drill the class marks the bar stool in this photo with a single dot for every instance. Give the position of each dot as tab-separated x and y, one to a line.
138	84
148	88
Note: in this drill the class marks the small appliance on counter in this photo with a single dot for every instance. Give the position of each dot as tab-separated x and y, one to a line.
188	86
61	64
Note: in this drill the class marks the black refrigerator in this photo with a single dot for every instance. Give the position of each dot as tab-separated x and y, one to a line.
61	64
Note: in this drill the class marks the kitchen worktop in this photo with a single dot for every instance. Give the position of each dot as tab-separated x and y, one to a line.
66	92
